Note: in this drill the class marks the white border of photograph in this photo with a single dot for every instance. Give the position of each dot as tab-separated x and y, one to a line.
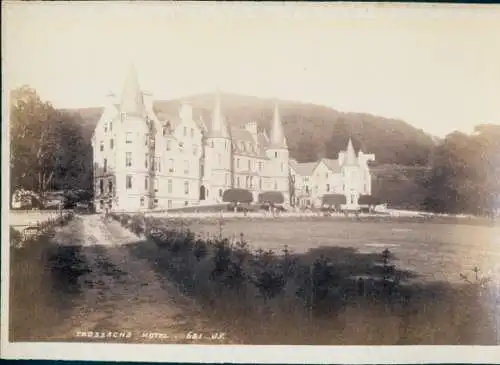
230	353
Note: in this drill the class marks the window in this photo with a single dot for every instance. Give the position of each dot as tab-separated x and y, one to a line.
158	164
101	146
110	186
343	187
101	202
249	165
169	204
128	137
106	127
142	201
260	166
212	144
146	158
276	154
307	189
128	159
105	165
171	165
156	184
146	183
110	126
238	163
169	186
169	145
238	181
129	181
220	193
111	143
186	167
186	203
185	131
101	186
192	133
186	187
275	185
327	187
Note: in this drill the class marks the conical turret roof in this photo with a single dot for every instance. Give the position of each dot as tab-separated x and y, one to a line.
219	126
277	137
350	157
132	102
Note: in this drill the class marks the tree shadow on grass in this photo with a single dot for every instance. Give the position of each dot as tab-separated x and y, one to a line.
328	295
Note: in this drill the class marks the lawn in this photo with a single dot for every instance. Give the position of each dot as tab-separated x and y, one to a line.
331	288
433	250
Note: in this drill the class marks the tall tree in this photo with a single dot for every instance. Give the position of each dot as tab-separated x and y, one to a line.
48	150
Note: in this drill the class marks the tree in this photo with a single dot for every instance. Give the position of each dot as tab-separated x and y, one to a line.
271	197
237	196
48	150
291	188
368	200
465	175
335	200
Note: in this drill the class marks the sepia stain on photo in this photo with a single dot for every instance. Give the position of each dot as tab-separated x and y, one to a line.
254	176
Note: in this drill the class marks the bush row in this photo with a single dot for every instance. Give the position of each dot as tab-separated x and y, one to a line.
218	264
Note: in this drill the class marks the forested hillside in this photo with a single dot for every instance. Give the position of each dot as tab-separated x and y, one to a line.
313	131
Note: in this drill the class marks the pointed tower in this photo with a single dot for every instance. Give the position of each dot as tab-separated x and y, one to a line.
350	156
218	155
218	127
277	139
132	102
277	153
352	177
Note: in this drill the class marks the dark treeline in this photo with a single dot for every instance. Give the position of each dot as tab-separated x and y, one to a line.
50	149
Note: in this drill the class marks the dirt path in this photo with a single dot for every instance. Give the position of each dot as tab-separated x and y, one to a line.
122	297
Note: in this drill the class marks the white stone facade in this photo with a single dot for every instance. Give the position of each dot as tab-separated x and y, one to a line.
145	160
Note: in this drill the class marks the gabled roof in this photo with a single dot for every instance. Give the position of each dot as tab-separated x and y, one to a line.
332	165
303	169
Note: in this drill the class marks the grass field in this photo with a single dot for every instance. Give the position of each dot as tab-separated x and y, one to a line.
432	250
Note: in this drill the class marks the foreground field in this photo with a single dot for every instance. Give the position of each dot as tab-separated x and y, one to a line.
432	250
95	279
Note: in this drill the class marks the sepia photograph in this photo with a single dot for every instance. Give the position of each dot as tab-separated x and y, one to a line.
204	182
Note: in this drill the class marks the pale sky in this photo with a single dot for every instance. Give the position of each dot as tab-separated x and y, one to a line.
436	67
